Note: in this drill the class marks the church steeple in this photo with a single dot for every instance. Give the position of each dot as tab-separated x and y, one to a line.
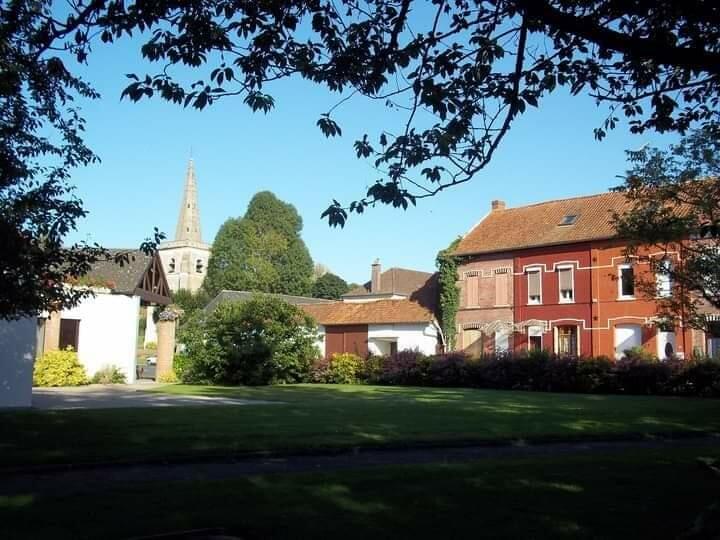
188	226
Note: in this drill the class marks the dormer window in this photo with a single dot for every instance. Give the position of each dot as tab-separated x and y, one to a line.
569	219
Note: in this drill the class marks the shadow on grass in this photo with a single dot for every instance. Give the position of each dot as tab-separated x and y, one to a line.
532	498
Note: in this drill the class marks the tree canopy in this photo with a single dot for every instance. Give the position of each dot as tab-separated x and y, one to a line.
329	286
461	71
261	251
675	198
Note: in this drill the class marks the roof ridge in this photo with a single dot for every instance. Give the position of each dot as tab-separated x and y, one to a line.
578	197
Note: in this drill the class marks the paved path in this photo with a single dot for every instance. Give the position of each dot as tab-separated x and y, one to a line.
115	396
100	478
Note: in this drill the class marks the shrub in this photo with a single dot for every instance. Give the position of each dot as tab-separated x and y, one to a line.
638	375
698	378
449	369
108	375
59	368
263	340
407	367
151	346
346	368
373	369
639	354
168	378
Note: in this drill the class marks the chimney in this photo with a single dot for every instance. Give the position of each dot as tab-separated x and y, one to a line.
497	205
375	276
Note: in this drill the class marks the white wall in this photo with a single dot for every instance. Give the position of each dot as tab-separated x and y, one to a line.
421	336
320	341
17	355
108	332
150	327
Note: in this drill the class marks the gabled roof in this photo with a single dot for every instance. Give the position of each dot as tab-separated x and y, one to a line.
400	281
378	312
242	296
139	275
540	224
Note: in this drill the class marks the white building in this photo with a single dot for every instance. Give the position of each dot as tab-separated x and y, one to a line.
392	312
103	328
186	257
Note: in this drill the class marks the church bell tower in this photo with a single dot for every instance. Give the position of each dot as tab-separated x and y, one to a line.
185	258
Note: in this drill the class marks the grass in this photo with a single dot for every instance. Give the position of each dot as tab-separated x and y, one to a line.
646	494
316	417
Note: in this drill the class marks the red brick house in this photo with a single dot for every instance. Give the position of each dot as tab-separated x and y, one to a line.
553	275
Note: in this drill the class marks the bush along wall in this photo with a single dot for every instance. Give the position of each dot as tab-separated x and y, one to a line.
537	371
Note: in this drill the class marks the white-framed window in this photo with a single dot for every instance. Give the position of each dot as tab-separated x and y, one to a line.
566	284
171	265
535	334
663	282
567	340
626	281
534	282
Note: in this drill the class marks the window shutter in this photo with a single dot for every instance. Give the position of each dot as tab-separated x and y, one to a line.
565	277
472	291
534	283
501	289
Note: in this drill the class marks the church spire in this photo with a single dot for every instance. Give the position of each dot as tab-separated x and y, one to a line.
188	226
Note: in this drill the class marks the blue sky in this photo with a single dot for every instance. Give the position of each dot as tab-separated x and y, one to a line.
144	147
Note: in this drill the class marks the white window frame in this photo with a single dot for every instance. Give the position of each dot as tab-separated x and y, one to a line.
619	274
556	338
663	282
562	300
539	271
540	335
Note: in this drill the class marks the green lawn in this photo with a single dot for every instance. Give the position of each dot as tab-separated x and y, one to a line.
650	494
321	417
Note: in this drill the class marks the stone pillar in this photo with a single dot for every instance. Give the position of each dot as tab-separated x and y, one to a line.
150	327
165	348
52	332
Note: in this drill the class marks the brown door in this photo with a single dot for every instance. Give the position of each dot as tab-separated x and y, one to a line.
69	333
350	338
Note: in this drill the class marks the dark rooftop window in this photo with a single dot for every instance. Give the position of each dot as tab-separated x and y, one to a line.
570	219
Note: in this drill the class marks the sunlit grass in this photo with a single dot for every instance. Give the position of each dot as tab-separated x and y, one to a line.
320	417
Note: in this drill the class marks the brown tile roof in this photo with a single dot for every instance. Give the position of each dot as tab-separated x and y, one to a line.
539	224
375	312
395	281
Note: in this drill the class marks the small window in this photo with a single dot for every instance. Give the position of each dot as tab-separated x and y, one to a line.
534	286
535	338
566	285
627	281
569	219
199	266
171	266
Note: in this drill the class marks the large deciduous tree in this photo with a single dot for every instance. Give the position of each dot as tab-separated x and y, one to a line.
462	71
329	286
261	251
675	209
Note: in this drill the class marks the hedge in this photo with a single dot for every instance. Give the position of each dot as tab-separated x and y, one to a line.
538	371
